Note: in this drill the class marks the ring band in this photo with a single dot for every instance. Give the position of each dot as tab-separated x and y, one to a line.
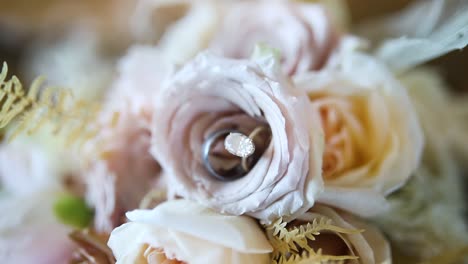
252	136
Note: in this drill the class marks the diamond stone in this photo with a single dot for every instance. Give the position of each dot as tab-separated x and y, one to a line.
239	144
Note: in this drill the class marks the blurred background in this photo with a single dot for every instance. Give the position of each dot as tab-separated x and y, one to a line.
453	66
77	43
51	37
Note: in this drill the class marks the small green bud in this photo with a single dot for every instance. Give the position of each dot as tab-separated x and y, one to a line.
73	211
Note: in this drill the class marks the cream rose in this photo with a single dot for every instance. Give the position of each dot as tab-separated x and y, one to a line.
417	212
434	195
302	32
212	93
441	112
125	170
373	141
180	231
337	235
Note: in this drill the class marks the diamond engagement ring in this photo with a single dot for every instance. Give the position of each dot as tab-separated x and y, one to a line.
238	152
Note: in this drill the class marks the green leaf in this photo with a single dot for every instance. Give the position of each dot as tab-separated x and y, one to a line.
73	211
262	50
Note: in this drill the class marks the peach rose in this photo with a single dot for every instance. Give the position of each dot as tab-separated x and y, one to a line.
339	235
373	141
302	32
212	93
180	231
125	170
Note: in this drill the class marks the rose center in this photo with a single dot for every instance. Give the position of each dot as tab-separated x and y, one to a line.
158	256
337	121
223	158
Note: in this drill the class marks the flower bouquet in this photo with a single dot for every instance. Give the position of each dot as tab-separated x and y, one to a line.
251	132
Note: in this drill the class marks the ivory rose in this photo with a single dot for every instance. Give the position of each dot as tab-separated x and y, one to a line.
124	170
441	112
181	231
212	93
373	141
369	246
302	32
434	195
429	201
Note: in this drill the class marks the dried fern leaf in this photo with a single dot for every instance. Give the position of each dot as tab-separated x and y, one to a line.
316	258
91	247
75	120
291	244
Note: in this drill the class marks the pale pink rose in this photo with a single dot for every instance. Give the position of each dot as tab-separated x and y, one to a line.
140	71
124	170
211	93
181	231
119	179
29	232
26	168
153	19
302	32
181	28
373	141
370	246
35	236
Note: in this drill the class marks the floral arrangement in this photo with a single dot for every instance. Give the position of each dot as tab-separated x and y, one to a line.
252	132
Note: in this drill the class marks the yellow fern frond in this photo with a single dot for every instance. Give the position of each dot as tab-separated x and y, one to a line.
314	257
73	119
291	244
